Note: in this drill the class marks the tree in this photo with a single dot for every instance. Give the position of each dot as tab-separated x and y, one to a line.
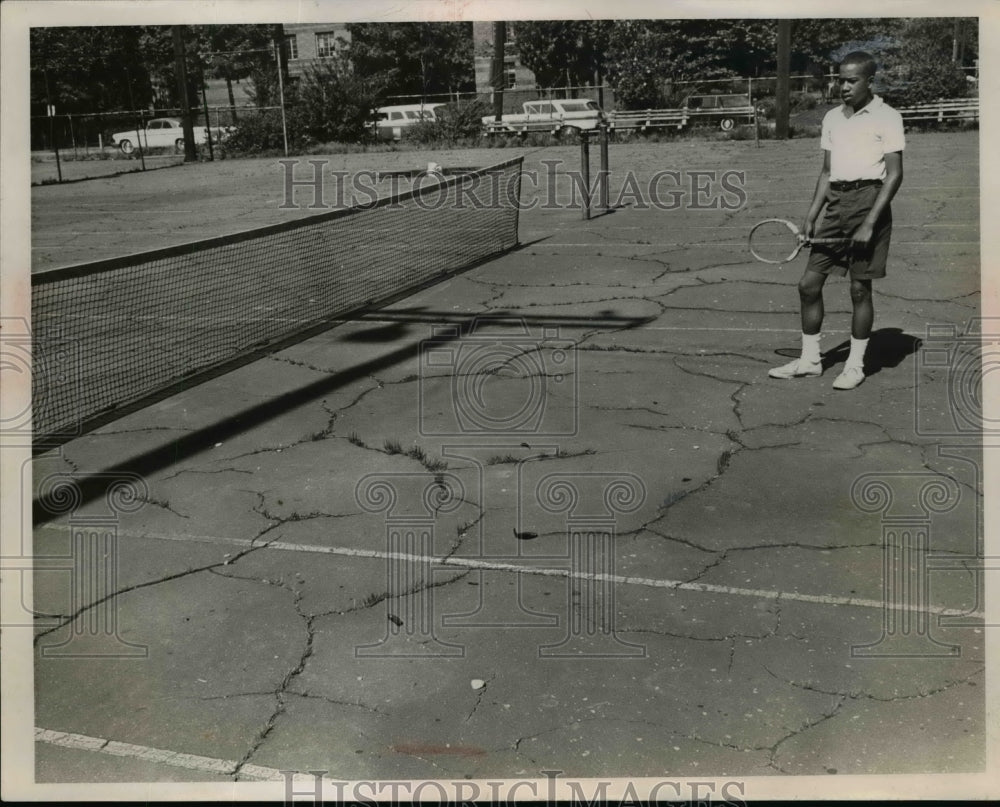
332	103
645	57
920	66
819	41
88	69
233	52
563	52
414	58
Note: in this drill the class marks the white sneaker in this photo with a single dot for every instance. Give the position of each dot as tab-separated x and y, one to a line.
798	368
850	378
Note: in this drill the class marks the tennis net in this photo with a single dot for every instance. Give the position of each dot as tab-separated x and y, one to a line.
113	335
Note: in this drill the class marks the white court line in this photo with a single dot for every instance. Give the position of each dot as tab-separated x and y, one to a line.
83	742
495	565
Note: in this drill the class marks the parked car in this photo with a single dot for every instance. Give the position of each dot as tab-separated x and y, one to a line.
727	110
557	114
163	133
390	121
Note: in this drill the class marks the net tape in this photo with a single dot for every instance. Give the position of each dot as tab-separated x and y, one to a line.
110	335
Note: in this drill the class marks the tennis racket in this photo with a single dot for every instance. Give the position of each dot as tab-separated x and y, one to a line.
779	241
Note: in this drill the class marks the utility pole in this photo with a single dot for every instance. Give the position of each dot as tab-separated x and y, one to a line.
499	75
180	69
278	37
781	105
51	109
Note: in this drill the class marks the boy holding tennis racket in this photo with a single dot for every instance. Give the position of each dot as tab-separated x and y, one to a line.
862	170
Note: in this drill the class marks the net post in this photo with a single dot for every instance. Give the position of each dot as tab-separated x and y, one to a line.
585	173
605	172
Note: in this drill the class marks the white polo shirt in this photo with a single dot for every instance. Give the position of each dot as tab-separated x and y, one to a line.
858	144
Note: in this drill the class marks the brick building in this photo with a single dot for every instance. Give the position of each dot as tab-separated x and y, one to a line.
518	77
306	42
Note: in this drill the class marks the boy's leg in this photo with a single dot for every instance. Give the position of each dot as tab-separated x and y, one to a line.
864	268
864	308
861	328
811	302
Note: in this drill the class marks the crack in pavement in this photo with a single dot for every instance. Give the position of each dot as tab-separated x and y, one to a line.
165	579
773	750
281	704
569	284
698	354
293	693
929	299
674	734
730	637
165	505
861	694
375	599
462	532
200	471
479	697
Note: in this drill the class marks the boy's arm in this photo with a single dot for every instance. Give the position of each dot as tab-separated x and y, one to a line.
893	179
819	197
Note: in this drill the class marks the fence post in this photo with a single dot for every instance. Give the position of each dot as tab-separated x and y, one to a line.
605	171
585	171
55	142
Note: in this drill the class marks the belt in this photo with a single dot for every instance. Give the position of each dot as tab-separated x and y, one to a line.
853	185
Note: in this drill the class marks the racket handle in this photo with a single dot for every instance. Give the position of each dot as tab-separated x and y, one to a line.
828	240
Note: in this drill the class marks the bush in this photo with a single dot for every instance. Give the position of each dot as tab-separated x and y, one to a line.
802	101
766	107
333	104
455	124
926	83
261	133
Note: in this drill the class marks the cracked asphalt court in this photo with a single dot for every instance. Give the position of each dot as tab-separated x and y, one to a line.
670	565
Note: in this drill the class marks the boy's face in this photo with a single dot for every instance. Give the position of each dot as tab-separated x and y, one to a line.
854	85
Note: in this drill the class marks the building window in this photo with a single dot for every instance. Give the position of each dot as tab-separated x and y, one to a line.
510	74
326	45
291	47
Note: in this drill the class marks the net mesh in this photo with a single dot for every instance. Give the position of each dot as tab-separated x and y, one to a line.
111	334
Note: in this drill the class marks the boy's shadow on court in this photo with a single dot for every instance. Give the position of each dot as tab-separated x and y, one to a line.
886	348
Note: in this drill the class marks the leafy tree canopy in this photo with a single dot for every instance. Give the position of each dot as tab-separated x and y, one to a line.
414	58
104	68
563	52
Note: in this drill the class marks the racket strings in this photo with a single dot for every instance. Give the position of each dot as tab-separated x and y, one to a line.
774	242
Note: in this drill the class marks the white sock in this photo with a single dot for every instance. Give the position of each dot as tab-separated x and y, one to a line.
857	355
810	347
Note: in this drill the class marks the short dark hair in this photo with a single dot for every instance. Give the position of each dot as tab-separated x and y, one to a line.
863	60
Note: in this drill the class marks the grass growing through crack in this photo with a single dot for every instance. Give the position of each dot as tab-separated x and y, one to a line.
504	459
416	453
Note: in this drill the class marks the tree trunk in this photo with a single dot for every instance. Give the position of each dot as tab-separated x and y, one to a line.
499	77
180	68
232	98
781	106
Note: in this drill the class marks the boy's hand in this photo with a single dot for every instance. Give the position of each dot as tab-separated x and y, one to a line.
808	229
862	237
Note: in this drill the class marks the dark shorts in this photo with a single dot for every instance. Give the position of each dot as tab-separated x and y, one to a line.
845	212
